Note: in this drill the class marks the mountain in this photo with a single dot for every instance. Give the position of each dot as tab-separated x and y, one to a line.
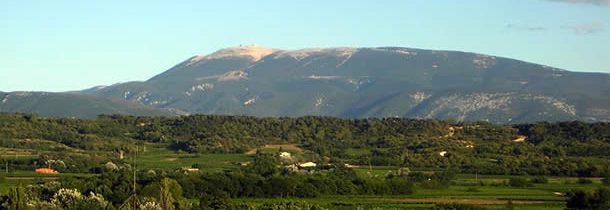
372	82
72	105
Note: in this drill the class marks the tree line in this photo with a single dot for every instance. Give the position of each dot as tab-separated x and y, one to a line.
559	148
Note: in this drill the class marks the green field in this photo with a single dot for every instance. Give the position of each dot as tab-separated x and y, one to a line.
159	157
491	197
489	191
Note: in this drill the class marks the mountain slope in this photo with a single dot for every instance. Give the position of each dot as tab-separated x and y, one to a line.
71	105
372	82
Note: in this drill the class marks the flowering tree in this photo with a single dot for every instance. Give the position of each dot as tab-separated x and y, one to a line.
72	199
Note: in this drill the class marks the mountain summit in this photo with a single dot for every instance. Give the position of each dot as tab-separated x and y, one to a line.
252	52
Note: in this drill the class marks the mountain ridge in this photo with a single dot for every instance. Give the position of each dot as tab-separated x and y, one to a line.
73	105
370	82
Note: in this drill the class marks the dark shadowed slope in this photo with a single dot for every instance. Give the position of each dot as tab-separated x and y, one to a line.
71	105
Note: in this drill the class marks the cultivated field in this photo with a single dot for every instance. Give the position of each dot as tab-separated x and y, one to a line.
490	191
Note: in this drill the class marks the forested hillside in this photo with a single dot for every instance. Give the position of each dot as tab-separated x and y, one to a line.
564	148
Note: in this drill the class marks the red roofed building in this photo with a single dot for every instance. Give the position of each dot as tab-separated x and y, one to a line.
46	171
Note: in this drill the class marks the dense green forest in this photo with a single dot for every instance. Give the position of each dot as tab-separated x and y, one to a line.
102	151
562	148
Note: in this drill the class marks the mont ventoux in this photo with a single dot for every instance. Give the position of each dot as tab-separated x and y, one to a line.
342	82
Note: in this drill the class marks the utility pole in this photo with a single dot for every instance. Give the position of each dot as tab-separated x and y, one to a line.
135	197
476	177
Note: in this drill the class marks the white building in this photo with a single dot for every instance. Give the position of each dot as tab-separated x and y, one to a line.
443	153
308	165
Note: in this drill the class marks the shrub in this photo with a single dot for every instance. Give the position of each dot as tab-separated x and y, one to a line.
432	184
400	186
197	165
584	181
217	200
290	205
473	189
539	180
598	199
518	182
606	180
455	206
509	205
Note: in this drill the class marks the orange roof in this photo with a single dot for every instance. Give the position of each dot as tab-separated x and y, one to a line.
46	171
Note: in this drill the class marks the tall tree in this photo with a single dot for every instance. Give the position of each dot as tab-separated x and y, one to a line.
17	200
165	196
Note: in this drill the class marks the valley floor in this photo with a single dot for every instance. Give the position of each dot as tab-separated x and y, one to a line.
489	191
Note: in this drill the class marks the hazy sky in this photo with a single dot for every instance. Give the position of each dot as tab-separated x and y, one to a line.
63	45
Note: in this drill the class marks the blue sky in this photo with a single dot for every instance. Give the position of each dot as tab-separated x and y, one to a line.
64	45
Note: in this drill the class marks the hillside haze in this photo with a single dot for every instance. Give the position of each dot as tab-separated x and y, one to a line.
371	82
73	105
